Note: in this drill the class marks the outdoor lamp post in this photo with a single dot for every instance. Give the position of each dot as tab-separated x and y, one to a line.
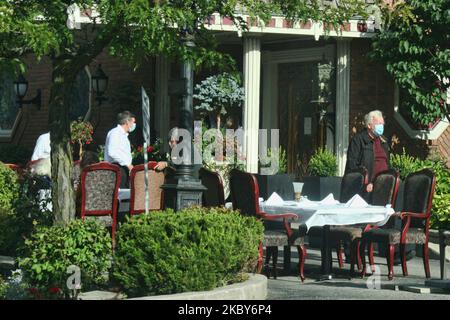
184	190
100	84
21	88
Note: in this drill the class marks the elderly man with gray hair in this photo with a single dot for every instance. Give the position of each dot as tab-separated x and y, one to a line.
369	148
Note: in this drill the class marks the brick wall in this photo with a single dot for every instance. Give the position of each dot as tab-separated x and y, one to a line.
123	93
372	88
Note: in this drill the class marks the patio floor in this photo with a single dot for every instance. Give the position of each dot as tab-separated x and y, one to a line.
342	287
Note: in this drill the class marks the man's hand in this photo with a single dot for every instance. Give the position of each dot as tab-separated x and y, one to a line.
130	167
161	165
369	187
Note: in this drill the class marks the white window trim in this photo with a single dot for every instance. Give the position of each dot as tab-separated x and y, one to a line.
432	134
8	134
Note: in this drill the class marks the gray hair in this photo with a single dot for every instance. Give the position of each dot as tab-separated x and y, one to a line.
368	118
124	117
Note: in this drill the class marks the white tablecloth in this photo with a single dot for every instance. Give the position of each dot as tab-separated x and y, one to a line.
313	214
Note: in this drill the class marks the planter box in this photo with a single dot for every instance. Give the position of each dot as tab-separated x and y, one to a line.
279	183
317	188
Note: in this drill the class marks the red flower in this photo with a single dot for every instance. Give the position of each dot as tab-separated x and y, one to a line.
54	290
150	149
88	142
139	149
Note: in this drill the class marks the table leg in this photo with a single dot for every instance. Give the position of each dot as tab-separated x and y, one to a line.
326	254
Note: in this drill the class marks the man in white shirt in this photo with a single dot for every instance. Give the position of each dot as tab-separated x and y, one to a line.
118	147
42	149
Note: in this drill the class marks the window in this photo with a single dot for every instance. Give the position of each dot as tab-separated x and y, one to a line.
8	109
80	96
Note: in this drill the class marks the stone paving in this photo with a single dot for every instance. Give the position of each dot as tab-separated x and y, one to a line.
342	287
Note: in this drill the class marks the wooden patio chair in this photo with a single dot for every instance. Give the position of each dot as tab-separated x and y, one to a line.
415	218
245	195
137	185
99	189
214	196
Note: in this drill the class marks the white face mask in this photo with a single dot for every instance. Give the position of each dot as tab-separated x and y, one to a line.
132	128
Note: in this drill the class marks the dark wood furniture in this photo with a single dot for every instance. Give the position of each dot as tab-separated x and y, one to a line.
214	196
415	220
245	195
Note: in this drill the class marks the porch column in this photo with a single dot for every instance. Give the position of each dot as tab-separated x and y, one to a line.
252	74
162	99
342	102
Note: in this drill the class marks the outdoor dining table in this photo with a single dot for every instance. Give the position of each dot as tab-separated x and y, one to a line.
317	214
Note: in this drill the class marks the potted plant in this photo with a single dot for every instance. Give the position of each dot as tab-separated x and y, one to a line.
322	179
280	181
217	95
81	134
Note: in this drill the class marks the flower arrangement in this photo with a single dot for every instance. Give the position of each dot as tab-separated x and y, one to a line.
153	152
81	133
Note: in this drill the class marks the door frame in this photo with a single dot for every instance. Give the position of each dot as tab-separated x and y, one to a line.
340	53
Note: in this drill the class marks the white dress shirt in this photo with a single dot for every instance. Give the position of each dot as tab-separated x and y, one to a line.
42	149
117	147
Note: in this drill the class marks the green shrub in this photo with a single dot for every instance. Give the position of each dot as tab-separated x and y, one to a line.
10	153
323	164
27	212
51	250
192	250
280	153
440	212
3	288
9	187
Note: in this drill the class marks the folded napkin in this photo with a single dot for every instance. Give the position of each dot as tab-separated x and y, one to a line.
356	202
274	200
329	199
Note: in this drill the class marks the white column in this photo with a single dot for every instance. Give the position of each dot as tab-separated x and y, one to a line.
162	99
252	74
270	93
342	102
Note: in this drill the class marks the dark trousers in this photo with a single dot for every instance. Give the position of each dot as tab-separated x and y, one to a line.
124	177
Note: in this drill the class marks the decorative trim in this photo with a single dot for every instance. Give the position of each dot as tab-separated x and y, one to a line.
276	25
432	134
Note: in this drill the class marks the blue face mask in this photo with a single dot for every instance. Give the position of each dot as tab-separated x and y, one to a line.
379	129
132	128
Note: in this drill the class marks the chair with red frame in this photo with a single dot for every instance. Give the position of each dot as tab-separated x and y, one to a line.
214	196
137	186
245	195
415	219
99	190
15	167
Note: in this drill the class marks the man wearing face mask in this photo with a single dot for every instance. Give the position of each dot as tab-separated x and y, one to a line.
118	147
369	148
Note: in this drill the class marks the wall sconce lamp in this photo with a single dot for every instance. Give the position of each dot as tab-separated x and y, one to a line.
100	84
21	88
